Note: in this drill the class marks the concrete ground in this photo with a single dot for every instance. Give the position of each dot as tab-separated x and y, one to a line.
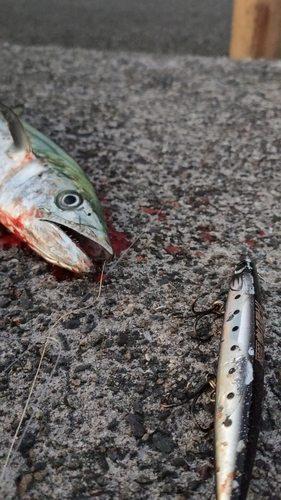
163	26
184	152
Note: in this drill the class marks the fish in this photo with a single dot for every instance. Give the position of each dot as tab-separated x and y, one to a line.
46	199
239	386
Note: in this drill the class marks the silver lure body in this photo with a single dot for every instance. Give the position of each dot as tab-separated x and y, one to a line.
239	385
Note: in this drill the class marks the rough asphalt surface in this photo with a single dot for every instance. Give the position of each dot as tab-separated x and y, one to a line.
199	27
185	155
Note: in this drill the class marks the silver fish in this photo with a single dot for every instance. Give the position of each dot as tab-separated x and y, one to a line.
47	200
239	385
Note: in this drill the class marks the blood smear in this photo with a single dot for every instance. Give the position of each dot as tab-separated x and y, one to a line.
118	239
155	211
8	239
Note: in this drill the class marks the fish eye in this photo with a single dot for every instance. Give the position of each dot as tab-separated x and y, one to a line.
67	200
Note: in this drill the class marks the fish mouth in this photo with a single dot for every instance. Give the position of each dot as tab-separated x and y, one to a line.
92	249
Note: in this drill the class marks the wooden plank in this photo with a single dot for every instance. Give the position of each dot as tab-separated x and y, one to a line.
256	29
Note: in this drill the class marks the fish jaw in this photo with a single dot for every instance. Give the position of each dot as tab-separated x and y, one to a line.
92	240
52	243
55	246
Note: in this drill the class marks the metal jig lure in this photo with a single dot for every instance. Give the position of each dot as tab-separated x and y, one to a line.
239	382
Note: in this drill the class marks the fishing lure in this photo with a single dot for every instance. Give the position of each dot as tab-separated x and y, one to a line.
47	200
239	385
239	382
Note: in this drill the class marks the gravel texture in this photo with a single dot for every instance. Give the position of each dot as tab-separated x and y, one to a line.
185	155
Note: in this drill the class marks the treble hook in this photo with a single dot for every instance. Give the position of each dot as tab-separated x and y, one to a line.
210	382
217	308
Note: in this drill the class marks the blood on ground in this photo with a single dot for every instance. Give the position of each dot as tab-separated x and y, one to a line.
8	239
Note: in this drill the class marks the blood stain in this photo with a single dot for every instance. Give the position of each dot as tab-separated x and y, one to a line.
173	249
155	211
118	239
8	239
100	277
61	274
250	243
140	259
206	236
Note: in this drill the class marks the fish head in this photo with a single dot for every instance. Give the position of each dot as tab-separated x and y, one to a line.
61	219
47	200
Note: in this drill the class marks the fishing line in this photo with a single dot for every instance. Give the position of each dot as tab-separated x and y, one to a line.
43	392
124	253
14	362
48	338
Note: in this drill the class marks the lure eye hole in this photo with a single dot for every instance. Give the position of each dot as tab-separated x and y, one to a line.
67	200
230	395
